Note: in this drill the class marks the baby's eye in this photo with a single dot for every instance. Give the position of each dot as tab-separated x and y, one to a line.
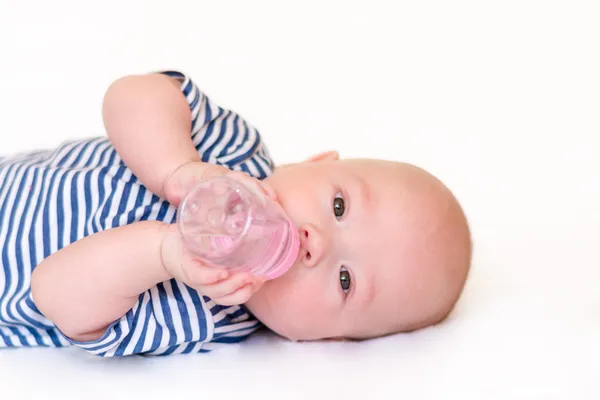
345	280
338	206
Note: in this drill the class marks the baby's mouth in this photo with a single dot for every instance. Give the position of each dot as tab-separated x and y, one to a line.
303	253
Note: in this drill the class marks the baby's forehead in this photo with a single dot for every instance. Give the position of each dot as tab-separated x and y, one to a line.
377	173
369	165
413	230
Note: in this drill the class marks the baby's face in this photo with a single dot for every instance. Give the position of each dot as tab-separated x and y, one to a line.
365	267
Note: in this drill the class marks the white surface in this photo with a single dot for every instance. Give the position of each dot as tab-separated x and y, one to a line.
502	102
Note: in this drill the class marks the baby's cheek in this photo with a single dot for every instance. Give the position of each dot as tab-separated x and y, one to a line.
305	303
313	313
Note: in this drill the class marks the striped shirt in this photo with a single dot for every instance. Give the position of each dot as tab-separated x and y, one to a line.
50	199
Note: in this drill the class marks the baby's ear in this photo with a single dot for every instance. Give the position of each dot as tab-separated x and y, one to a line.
326	156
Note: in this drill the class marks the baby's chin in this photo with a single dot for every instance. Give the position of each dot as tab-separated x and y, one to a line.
260	305
288	324
294	336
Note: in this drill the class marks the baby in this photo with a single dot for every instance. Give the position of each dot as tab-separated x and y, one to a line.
91	256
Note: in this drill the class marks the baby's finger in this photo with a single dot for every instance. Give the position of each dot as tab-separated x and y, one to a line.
268	189
261	186
198	274
240	296
225	287
258	283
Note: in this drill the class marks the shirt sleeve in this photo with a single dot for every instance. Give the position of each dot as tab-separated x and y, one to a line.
169	316
172	318
222	136
203	109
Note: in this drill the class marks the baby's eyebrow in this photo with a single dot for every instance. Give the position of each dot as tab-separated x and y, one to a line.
364	192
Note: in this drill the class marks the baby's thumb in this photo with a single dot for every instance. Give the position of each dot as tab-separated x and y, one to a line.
269	190
255	184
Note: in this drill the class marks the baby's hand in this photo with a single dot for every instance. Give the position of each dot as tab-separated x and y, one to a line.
188	175
219	284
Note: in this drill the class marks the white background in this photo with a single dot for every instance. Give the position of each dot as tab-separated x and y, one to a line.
501	100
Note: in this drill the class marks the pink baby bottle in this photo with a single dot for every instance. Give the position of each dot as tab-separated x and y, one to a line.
227	224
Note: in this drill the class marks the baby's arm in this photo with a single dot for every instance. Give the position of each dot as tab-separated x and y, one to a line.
148	121
87	285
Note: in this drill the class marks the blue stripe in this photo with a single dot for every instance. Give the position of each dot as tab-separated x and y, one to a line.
158	334
139	346
183	312
169	350
173	74
107	205
162	212
6	338
89	212
33	245
20	264
139	200
122	204
54	337
244	168
207	113
233	138
15	332
261	171
60	211
166	310
81	153
54	155
231	339
187	90
132	320
61	162
208	153
241	326
238	313
214	309
75	221
46	216
262	154
188	347
8	275
244	156
205	156
87	197
223	322
199	313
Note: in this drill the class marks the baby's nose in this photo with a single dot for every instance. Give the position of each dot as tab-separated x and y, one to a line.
313	244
